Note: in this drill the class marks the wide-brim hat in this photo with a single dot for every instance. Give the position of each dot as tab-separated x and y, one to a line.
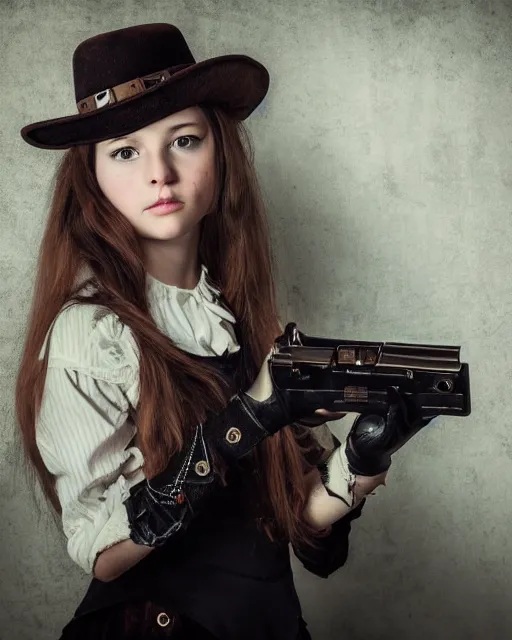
126	79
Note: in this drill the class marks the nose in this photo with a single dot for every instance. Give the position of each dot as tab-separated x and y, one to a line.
161	170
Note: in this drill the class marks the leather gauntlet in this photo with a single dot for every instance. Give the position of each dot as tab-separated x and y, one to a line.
161	507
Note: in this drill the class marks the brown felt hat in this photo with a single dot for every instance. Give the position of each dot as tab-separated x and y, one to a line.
126	79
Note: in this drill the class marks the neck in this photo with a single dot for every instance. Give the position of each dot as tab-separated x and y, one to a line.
172	263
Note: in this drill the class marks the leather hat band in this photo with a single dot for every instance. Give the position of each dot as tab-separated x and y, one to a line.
126	90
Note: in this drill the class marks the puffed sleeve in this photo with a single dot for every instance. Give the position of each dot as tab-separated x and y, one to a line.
84	432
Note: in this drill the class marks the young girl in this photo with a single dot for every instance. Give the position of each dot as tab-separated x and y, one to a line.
144	395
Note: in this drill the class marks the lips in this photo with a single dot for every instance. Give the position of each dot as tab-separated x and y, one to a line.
164	201
165	207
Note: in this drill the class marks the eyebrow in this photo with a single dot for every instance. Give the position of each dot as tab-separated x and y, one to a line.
172	129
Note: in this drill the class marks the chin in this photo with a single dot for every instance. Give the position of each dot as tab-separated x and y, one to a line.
166	232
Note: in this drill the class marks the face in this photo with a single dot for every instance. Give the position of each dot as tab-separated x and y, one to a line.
172	159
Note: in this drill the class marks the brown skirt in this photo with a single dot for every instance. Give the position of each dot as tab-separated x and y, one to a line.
134	621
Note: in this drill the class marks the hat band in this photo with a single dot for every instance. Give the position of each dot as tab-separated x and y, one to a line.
127	89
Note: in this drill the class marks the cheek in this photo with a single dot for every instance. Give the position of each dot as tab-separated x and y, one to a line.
208	183
203	185
203	181
202	174
116	185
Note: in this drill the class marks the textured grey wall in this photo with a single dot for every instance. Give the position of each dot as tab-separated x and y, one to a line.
382	149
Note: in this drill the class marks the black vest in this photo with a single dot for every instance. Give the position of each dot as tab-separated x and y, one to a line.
223	572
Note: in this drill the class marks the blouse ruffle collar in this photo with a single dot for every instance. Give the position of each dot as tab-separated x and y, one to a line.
194	319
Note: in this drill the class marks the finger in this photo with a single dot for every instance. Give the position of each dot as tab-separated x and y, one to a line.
332	414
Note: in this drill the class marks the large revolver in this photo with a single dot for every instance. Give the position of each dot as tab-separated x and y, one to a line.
362	377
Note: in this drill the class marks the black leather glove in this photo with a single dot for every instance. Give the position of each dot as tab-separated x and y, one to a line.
161	507
373	439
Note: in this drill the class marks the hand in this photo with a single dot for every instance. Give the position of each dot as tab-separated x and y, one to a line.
274	408
373	439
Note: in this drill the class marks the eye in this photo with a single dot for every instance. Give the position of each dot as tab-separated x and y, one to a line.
123	154
183	142
189	142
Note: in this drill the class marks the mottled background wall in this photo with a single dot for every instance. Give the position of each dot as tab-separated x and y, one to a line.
384	153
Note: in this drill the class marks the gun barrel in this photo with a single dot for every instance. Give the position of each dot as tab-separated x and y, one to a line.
390	355
419	357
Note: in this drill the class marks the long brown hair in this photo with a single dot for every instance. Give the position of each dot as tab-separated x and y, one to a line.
85	229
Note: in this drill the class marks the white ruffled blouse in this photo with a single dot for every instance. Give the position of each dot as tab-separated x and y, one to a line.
84	431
